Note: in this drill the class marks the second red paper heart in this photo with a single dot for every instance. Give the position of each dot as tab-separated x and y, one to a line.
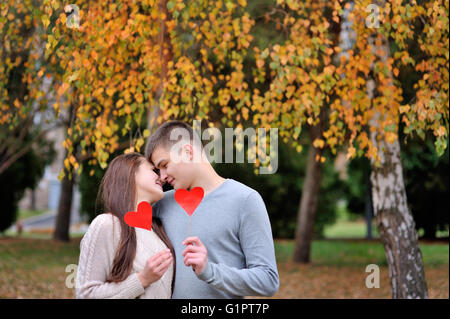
189	200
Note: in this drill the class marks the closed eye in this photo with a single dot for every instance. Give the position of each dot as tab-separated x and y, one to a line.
160	163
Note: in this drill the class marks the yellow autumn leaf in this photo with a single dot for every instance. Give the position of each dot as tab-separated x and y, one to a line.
63	88
245	113
259	63
107	131
45	20
63	18
351	152
66	163
98	92
291	48
110	91
391	137
318	143
441	131
396	71
404	108
329	69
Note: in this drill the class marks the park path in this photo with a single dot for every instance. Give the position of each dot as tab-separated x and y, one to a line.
46	222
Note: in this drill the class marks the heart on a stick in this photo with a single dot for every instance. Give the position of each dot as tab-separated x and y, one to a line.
189	200
142	218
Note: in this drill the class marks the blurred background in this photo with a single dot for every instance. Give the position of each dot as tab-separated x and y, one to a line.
45	213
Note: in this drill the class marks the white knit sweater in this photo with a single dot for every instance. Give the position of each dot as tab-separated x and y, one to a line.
97	251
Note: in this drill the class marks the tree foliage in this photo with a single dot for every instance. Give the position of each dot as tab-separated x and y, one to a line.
115	63
25	81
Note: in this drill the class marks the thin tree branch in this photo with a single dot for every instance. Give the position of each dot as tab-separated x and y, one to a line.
9	161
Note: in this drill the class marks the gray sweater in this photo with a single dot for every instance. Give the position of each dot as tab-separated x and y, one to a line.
233	224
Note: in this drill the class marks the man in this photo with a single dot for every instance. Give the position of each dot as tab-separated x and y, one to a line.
231	249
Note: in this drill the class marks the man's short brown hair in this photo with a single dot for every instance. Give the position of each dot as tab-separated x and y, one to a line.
161	137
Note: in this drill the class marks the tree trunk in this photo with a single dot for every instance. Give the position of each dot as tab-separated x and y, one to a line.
165	55
368	207
394	220
33	200
308	203
396	226
62	225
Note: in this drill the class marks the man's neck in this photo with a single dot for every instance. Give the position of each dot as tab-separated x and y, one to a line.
209	180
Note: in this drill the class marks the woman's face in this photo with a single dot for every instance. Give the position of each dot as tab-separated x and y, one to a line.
148	183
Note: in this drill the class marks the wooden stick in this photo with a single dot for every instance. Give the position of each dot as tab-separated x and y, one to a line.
189	227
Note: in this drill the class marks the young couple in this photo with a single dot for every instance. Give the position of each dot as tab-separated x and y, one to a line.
229	255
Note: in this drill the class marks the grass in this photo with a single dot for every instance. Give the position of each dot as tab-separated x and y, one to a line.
358	229
337	270
349	229
348	225
39	234
26	213
31	253
33	265
35	268
357	253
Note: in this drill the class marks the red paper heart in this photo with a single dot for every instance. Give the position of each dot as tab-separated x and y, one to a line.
189	200
142	218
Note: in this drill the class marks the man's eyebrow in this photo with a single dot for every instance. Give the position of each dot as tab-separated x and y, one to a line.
159	162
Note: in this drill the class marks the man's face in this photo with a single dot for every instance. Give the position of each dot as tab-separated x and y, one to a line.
176	173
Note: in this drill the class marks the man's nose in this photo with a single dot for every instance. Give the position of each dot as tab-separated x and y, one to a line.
163	175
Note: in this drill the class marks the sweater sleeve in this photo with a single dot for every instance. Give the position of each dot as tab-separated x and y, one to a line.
260	277
97	251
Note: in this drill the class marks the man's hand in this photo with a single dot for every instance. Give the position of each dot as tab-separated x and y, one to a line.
195	254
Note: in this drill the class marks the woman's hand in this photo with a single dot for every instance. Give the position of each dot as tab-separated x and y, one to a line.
155	267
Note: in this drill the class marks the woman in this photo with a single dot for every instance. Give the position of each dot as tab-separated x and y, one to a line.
117	260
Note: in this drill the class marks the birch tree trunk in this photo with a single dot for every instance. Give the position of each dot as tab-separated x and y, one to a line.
394	220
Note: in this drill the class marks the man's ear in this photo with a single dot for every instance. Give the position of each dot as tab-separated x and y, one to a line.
188	150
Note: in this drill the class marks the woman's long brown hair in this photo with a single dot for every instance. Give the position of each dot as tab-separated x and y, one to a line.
117	193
